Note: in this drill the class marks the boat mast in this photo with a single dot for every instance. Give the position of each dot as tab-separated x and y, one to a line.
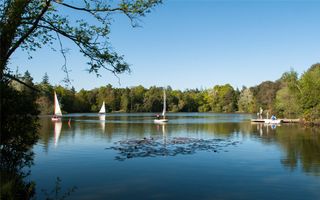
54	104
164	104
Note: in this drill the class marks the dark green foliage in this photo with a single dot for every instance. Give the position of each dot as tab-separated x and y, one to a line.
18	122
309	97
45	79
18	135
224	98
125	101
287	97
265	94
246	101
152	100
137	98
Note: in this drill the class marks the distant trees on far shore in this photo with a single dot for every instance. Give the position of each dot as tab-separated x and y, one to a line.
290	96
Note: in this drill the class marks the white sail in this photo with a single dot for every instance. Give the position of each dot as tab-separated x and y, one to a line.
57	110
103	108
164	104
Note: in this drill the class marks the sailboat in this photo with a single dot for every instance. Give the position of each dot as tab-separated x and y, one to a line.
163	114
57	111
103	109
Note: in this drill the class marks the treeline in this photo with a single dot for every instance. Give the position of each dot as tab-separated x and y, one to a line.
289	96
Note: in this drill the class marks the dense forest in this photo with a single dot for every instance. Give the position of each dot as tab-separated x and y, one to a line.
289	96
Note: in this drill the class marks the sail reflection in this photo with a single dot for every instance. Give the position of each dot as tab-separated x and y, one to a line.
300	146
162	127
57	131
102	119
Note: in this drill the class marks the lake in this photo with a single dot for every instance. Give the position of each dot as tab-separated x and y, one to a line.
194	156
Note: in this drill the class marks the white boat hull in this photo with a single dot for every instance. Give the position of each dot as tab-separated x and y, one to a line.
272	121
56	119
267	121
160	120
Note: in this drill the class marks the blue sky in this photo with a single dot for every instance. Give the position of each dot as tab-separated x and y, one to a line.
198	44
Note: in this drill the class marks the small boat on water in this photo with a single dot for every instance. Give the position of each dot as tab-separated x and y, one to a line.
267	121
103	108
162	118
272	121
57	111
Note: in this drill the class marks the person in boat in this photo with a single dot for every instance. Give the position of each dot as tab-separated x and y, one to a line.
273	117
158	116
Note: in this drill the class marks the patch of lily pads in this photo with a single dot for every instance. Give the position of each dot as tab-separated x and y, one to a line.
159	146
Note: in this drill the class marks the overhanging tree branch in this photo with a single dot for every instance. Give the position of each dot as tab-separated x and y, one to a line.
91	10
37	21
28	32
21	82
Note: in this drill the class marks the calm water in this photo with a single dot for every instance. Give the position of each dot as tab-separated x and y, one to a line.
194	156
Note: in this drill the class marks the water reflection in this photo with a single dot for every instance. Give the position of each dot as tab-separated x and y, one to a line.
169	159
102	119
263	128
16	158
300	146
57	192
57	132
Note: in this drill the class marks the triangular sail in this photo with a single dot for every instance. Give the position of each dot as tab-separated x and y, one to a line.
103	108
164	104
57	110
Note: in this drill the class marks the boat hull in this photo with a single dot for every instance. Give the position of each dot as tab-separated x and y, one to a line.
267	121
160	120
272	121
56	119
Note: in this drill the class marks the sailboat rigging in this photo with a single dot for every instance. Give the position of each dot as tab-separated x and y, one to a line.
163	114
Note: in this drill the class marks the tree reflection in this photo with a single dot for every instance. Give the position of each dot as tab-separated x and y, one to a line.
302	146
56	193
18	135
